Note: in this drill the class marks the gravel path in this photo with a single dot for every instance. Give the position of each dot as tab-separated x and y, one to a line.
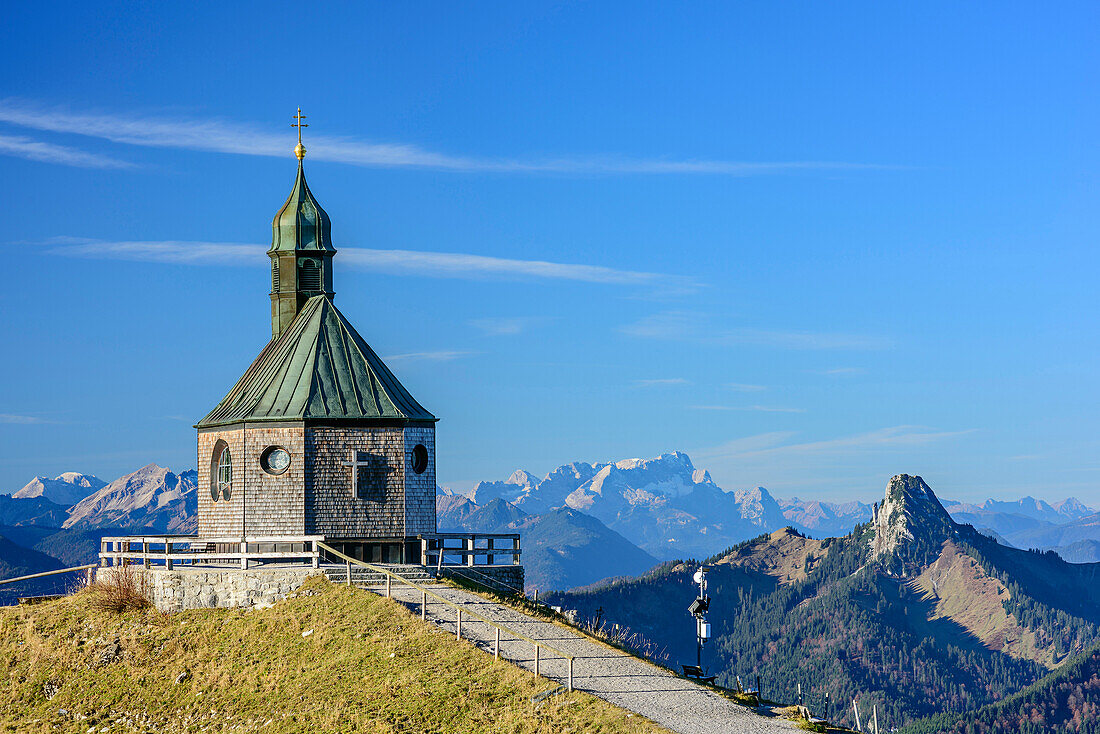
614	676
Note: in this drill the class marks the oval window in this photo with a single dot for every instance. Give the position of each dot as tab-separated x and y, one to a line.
420	458
275	460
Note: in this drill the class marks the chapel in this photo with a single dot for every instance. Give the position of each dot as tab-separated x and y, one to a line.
318	437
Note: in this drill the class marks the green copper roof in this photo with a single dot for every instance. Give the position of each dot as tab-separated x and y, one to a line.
301	224
319	369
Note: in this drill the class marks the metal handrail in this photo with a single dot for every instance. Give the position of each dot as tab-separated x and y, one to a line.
390	574
48	573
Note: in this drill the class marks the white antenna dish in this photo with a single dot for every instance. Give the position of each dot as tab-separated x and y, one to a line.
698	577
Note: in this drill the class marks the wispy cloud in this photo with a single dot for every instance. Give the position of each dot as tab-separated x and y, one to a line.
398	262
36	150
223	136
775	443
752	408
844	466
21	419
503	326
741	387
842	371
689	326
442	356
660	381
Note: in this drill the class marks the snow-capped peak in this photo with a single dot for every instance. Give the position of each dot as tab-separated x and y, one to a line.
66	490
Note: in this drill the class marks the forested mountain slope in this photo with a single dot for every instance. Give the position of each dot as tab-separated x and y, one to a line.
1064	702
911	611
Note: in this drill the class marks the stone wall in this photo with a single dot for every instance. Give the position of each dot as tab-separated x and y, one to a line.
271	504
191	588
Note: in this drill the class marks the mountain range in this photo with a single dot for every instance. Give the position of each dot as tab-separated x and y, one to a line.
619	517
65	490
671	509
58	523
562	548
664	505
910	611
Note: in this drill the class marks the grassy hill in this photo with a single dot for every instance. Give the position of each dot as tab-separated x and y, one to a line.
330	659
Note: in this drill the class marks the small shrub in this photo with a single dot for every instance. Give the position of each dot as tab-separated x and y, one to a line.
121	589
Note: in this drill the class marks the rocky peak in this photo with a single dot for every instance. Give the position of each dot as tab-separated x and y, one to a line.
66	490
151	497
759	506
1073	508
909	513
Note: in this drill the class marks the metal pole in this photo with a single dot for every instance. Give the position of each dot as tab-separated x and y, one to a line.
348	564
458	630
856	709
387	586
423	604
874	709
570	673
496	644
536	659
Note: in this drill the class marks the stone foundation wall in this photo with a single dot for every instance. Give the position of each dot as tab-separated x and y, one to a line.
190	588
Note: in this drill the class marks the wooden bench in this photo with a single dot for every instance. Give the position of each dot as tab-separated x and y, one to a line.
750	692
696	673
805	714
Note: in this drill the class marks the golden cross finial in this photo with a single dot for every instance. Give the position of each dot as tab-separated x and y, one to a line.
299	149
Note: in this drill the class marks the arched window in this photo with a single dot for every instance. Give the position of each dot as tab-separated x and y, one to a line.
224	482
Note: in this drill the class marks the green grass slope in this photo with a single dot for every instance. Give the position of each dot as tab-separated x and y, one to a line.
366	665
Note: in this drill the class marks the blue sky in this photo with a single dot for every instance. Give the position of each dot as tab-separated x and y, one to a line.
811	244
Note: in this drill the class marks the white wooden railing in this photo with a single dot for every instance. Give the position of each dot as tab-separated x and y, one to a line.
175	550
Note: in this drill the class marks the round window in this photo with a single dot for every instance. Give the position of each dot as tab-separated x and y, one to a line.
420	458
275	460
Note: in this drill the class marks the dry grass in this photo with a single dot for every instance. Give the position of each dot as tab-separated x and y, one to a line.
122	589
624	639
368	665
